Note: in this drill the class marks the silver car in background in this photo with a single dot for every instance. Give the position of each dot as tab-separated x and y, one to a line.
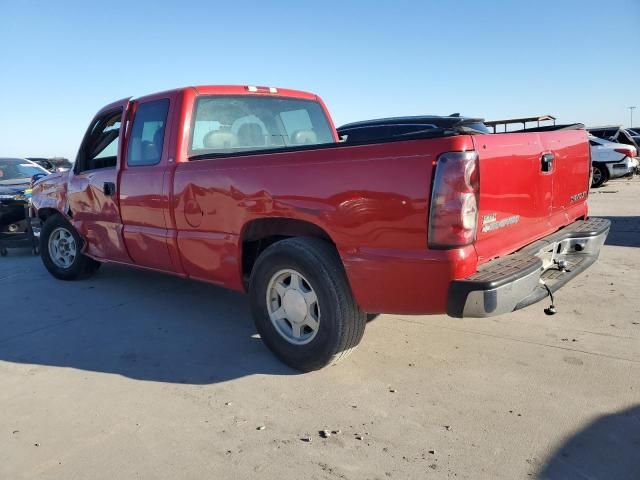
611	160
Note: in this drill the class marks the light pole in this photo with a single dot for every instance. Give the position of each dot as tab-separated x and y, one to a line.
631	109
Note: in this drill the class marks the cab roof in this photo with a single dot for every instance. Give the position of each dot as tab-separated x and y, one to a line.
252	90
230	90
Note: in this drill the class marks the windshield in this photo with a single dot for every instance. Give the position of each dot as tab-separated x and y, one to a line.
18	169
228	124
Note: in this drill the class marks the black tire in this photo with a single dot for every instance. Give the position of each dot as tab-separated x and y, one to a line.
341	322
81	267
600	175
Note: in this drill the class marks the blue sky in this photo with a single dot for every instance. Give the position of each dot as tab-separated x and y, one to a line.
61	61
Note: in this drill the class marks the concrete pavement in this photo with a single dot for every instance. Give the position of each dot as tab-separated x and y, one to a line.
133	374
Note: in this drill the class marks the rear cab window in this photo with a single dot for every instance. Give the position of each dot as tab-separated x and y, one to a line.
225	124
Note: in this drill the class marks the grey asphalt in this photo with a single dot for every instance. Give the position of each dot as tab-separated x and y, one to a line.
133	374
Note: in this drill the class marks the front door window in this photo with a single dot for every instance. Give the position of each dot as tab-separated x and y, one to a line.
100	146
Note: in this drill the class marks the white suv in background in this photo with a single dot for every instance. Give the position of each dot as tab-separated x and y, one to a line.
611	160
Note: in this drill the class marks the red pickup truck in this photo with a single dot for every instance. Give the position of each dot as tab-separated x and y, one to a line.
253	189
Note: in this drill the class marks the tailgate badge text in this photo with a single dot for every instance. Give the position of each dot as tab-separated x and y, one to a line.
489	222
577	196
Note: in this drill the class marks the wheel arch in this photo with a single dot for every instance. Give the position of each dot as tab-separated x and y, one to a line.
258	234
46	212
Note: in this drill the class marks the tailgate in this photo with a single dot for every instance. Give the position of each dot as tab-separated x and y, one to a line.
531	184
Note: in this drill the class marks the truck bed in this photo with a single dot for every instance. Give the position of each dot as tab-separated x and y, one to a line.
373	201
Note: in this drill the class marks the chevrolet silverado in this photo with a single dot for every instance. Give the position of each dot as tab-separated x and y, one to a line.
253	189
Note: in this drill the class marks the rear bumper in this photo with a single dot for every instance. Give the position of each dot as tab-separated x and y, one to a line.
516	281
622	169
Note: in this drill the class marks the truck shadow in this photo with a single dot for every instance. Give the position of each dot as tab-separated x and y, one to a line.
606	448
625	231
141	325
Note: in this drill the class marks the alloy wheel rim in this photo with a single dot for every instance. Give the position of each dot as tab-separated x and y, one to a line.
62	248
293	307
597	175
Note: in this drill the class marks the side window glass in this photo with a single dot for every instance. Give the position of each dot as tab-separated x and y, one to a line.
100	147
295	121
147	133
111	149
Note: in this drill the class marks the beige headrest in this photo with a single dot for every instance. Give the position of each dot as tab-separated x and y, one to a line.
250	135
303	137
219	140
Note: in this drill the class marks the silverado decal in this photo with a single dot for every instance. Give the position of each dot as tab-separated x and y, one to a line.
489	226
577	196
490	217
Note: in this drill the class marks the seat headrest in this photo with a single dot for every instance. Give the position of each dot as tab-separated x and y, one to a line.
158	137
304	137
251	135
218	140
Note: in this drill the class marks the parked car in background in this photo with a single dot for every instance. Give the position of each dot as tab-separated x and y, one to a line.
616	134
61	164
405	127
635	134
44	163
611	160
16	175
55	164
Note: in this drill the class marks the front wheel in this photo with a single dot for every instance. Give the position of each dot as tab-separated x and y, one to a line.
60	250
600	175
302	304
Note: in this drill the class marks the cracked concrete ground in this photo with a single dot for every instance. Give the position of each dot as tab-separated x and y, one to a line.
137	375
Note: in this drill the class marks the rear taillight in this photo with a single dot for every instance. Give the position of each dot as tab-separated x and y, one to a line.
453	213
629	151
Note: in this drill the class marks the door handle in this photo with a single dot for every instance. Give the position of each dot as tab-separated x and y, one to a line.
547	162
109	189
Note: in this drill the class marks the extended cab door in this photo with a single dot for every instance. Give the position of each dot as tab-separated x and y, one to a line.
91	193
145	184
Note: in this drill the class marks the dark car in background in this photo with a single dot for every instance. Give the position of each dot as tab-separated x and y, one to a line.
55	164
617	134
44	163
635	134
16	175
403	128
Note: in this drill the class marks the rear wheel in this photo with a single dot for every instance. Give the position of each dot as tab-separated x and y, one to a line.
302	305
600	175
60	250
